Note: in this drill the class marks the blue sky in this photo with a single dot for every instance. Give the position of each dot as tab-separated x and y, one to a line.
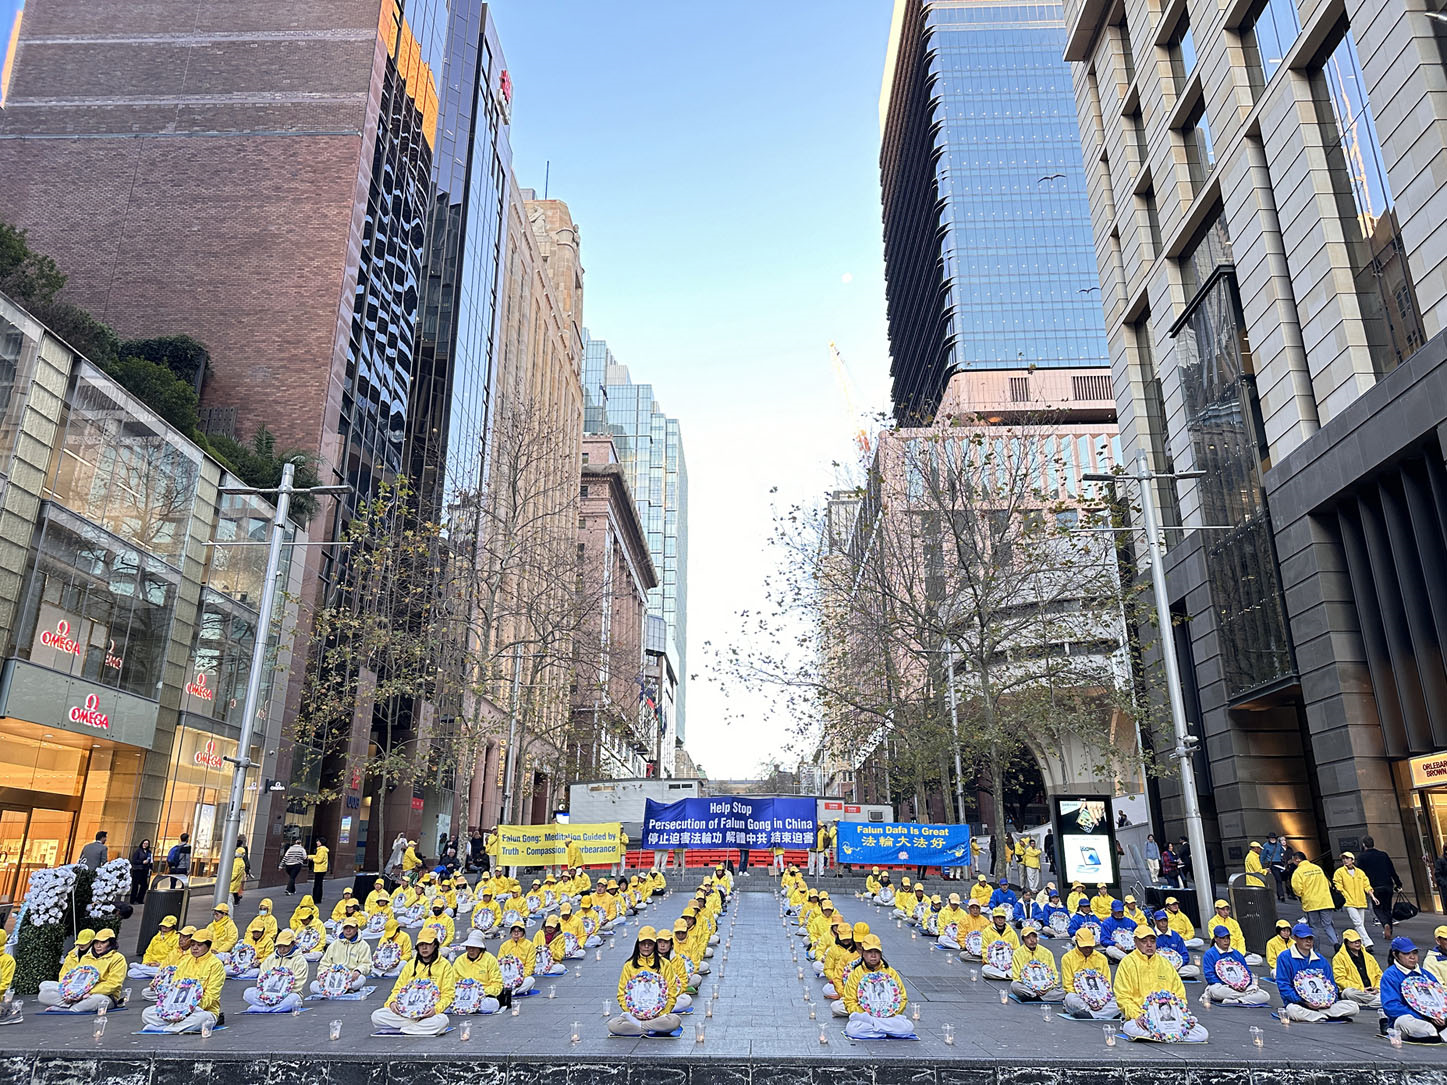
722	164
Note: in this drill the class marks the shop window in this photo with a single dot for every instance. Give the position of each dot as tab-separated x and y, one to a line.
96	608
115	467
197	796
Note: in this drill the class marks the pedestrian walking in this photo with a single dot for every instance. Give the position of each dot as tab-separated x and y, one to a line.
1153	858
1310	884
95	854
178	859
1351	882
292	860
394	861
142	862
1183	862
1273	857
1439	874
1171	868
1382	875
321	863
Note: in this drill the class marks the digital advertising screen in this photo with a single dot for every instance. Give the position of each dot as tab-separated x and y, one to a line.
1085	839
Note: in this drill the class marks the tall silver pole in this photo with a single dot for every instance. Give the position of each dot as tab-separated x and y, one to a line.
1195	834
512	726
242	761
955	727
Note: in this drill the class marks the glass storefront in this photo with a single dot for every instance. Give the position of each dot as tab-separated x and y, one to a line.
197	795
56	791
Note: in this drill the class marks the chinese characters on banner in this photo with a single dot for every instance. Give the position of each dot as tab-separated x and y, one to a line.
729	822
912	843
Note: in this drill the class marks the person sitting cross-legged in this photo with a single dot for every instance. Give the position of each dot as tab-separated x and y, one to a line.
92	982
998	930
659	1017
867	985
347	953
159	951
1029	981
1307	983
204	970
285	957
1225	970
1405	983
478	969
1357	972
1085	976
1145	973
422	995
1173	947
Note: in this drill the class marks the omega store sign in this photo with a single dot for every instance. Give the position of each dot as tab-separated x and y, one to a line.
51	699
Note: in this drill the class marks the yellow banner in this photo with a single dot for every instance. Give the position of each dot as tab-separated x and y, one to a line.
546	845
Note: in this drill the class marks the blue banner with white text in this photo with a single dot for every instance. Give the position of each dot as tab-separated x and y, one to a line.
911	844
729	821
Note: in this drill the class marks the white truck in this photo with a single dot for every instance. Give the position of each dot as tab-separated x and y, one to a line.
844	810
622	800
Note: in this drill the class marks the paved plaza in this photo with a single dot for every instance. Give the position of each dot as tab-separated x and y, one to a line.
760	1019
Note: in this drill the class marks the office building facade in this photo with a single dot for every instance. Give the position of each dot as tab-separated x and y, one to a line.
317	193
1270	219
650	448
989	262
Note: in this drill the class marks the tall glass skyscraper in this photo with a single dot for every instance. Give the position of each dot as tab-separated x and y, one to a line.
989	256
650	447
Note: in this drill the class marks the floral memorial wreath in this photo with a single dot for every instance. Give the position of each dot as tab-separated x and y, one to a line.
466	996
162	979
880	995
1233	973
243	956
79	982
484	919
273	985
333	981
1171	957
1059	922
179	1000
1093	987
951	931
309	938
1038	977
419	999
1165	1017
377	923
570	943
1314	988
974	943
999	954
511	968
645	995
1123	938
1425	995
510	917
387	957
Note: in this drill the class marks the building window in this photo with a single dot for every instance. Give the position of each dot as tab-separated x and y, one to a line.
1153	221
1136	125
1158	437
1019	389
1265	39
1182	51
1385	291
1127	51
1200	150
1208	250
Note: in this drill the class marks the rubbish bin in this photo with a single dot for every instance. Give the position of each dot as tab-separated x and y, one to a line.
1254	907
172	900
366	881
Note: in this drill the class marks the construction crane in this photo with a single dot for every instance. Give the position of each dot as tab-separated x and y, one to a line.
846	385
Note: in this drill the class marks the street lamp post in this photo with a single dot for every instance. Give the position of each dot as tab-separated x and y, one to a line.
242	761
955	729
1185	743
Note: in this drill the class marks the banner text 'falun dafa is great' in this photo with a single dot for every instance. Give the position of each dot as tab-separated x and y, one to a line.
546	845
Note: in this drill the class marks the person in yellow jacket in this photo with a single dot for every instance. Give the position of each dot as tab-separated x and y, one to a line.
951	923
389	962
159	951
516	947
92	982
1356	890
1133	912
675	970
590	918
1030	950
339	909
426	967
1358	976
286	956
246	955
224	934
311	936
347	953
660	1020
306	904
1030	860
1181	923
837	963
166	972
693	942
438	920
572	853
1256	872
981	891
683	957
1083	958
238	875
998	930
867	1020
1142	974
479	978
201	967
975	920
266	916
551	948
871	882
321	860
487	914
1076	895
1279	942
1309	883
378	899
571	924
1223	918
1100	903
411	861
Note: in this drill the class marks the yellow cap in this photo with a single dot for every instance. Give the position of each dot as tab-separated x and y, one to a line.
1029	928
1144	932
1352	936
188	930
1129	899
871	941
105	934
1287	924
647	934
680	927
223	908
954	898
1344	855
1085	937
426	934
1257	844
860	930
85	937
1220	904
169	921
286	937
1000	911
1440	932
1172	900
936	899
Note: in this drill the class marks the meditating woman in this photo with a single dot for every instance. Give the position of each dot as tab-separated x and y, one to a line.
645	993
874	996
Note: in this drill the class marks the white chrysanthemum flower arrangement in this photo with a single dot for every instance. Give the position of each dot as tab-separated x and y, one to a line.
48	894
111	881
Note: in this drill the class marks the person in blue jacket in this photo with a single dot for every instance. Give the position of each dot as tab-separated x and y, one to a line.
1084	917
1004	897
1216	986
1297	960
1116	951
1404	972
1048	911
1167	939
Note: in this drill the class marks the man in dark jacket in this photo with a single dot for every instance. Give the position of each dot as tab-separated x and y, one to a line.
1377	866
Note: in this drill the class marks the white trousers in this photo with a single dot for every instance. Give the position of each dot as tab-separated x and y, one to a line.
683	1002
352	985
1055	994
1359	921
1372	1000
1032	878
990	972
1134	1031
1229	996
1076	1006
864	1026
140	971
435	1025
50	996
628	1025
1115	953
1417	1028
1339	1009
837	1008
286	1005
151	1019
